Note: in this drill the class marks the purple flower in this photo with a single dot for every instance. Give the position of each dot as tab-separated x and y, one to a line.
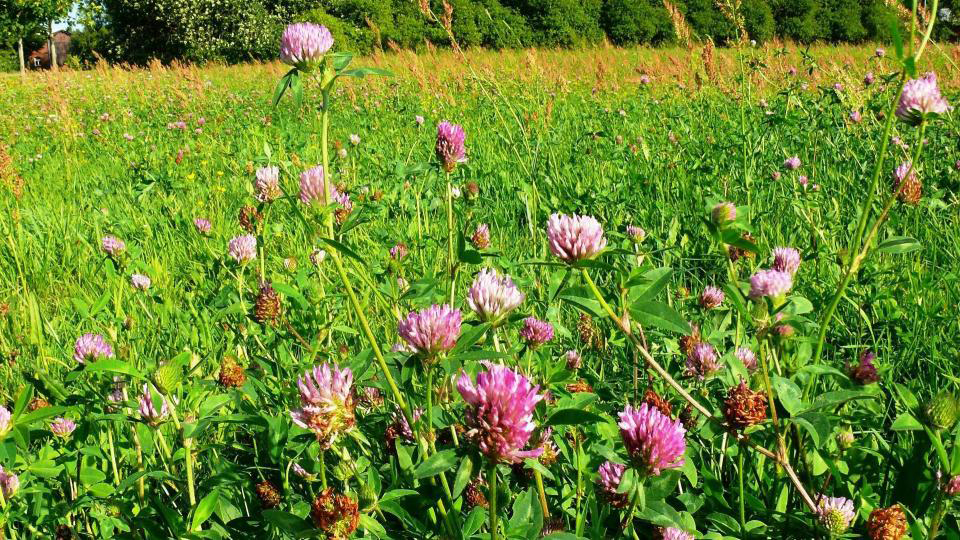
243	249
202	225
302	473
574	360
499	416
493	296
148	409
112	245
835	514
864	372
573	238
62	427
904	172
609	482
772	283
654	442
90	348
399	251
481	236
140	281
432	330
880	52
312	185
636	233
702	361
303	45
201	121
838	87
747	357
128	136
786	259
775	175
9	484
644	79
451	149
920	98
855	116
803	180
6	421
711	297
536	332
792	71
673	533
723	213
792	163
952	486
401	427
326	401
267	184
868	78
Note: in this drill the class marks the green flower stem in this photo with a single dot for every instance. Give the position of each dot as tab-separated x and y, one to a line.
187	446
323	469
937	517
492	496
113	455
452	267
855	262
543	494
780	458
743	512
429	411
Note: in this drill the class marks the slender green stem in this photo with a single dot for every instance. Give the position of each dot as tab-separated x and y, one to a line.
937	517
492	496
323	468
429	411
113	455
452	265
743	512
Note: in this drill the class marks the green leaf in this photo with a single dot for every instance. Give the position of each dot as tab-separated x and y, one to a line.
574	417
442	461
463	477
364	71
899	244
285	83
789	395
906	422
114	365
205	509
650	284
343	248
39	414
659	315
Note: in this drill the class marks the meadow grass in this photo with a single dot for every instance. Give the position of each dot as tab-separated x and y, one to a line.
92	153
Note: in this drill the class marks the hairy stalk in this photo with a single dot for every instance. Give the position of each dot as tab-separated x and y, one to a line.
492	496
452	266
743	512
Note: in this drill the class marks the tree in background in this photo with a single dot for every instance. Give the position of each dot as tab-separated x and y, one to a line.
634	22
20	19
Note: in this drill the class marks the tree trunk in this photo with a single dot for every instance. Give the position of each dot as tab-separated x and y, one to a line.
23	65
53	49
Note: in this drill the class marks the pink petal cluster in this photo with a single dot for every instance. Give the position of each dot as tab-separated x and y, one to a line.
9	484
921	97
266	186
326	402
711	297
312	185
148	409
654	442
493	296
451	148
786	259
835	514
62	427
6	421
140	282
574	360
243	249
673	533
904	171
499	416
572	238
702	361
432	330
792	163
303	45
536	332
112	245
399	251
723	213
747	357
772	283
637	234
202	225
90	348
952	486
610	476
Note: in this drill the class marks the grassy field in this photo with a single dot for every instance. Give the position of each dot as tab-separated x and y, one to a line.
652	138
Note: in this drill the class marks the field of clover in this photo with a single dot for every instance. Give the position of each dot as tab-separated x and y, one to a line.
358	304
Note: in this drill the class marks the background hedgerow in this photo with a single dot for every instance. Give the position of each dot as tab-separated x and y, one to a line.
195	344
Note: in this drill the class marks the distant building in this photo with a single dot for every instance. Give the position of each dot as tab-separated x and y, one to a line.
40	58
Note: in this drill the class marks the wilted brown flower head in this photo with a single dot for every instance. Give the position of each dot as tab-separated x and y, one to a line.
232	374
887	523
652	398
268	494
744	407
336	515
